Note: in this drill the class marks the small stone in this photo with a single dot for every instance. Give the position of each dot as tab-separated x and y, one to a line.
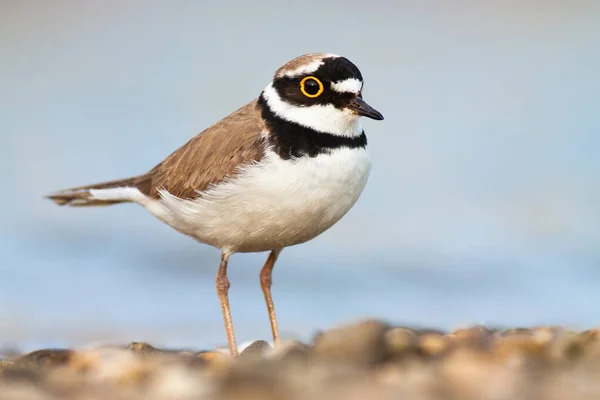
143	348
473	336
401	340
519	349
432	344
45	358
360	344
255	349
290	351
567	347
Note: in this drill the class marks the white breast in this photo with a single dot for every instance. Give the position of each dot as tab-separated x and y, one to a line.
273	204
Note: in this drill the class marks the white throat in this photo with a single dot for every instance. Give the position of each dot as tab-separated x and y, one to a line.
326	119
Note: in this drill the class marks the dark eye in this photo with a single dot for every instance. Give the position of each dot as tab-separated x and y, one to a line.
311	87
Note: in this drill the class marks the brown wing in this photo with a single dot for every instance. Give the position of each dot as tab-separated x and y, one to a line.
209	156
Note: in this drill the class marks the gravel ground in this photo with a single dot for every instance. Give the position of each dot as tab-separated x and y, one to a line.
364	359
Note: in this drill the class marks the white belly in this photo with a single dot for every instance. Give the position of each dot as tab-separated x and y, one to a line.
274	204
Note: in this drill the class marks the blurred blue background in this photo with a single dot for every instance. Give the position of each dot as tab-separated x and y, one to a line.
483	205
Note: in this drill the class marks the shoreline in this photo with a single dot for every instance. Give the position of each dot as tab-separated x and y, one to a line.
362	358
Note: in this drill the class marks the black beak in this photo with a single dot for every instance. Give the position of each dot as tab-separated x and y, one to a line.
360	107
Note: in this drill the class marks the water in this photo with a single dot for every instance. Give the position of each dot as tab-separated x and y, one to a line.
482	206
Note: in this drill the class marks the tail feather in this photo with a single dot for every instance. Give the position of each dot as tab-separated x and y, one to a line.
101	194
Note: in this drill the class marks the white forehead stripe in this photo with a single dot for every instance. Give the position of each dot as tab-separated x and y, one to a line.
351	85
322	118
307	68
303	70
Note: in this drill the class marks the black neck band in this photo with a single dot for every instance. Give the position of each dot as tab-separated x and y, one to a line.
290	139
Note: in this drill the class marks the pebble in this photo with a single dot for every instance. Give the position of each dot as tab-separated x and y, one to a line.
359	344
255	349
434	344
142	348
44	358
290	352
473	336
401	341
365	359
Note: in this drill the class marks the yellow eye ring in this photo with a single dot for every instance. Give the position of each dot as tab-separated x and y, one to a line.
303	89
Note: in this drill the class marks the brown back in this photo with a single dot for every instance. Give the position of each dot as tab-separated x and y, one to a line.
208	157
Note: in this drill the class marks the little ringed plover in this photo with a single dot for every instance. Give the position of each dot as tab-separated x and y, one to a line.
277	172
